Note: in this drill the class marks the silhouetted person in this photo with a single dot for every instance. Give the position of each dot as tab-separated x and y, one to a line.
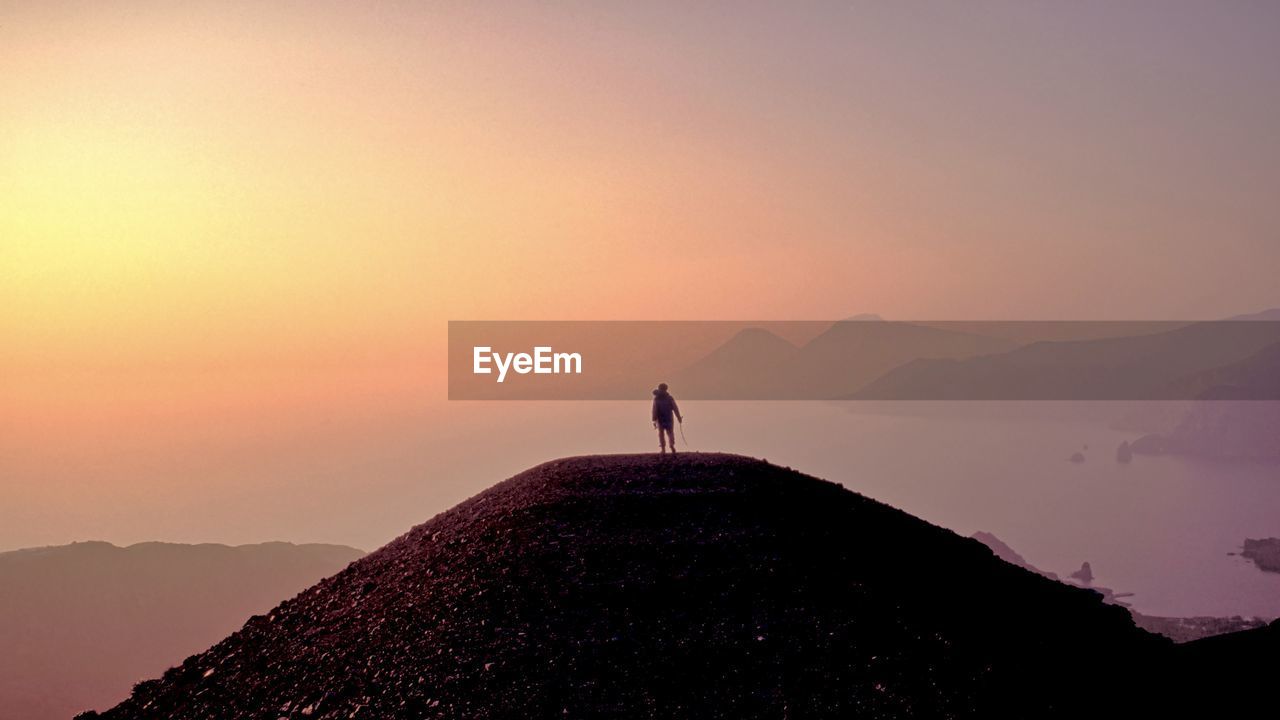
665	413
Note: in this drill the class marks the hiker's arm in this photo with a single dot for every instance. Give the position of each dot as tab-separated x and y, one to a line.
654	413
676	406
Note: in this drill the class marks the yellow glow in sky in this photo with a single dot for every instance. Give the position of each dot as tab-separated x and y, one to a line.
229	212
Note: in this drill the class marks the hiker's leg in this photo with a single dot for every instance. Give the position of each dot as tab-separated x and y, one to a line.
671	435
662	440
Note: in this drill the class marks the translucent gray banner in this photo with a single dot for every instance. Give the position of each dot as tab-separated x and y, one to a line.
865	360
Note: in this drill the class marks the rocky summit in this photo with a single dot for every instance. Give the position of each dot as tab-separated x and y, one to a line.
698	586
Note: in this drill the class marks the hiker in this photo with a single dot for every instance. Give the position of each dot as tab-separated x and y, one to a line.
664	407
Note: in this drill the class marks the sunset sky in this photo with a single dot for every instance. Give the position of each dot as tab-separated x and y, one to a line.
232	233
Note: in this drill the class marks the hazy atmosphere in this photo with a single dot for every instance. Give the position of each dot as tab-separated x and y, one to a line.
965	261
233	234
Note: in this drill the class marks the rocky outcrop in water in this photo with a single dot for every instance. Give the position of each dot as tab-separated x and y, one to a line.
1084	574
1264	553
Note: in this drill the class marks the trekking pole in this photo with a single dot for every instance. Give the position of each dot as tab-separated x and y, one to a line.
682	438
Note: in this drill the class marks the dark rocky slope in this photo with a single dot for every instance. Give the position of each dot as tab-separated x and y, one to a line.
1226	676
708	586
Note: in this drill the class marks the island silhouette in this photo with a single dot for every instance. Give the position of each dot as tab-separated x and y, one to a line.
81	623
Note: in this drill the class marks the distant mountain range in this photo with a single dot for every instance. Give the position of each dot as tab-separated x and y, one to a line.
1269	315
1221	429
81	623
1253	378
866	358
756	364
1156	366
1236	416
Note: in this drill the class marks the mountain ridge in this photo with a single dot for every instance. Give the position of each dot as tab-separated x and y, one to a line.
704	585
757	364
82	622
1136	367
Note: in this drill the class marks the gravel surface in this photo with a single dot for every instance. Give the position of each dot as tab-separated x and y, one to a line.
642	586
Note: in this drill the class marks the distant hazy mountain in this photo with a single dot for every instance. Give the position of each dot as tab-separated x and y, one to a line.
1272	315
1225	429
753	361
1129	368
81	623
1256	377
849	355
756	364
1236	416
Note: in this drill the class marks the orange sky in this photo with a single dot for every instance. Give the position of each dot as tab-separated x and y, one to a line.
217	219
